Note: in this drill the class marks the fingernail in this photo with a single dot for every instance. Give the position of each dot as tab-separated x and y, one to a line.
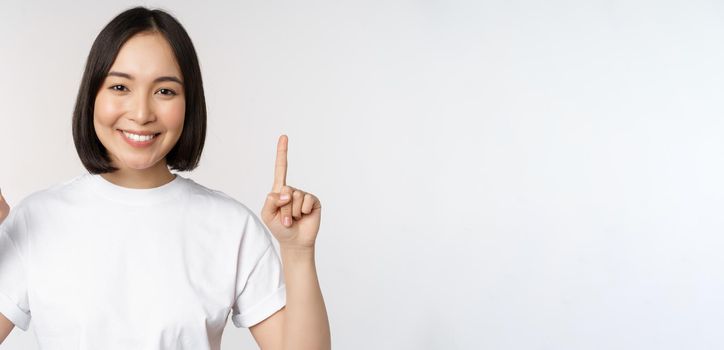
284	196
287	221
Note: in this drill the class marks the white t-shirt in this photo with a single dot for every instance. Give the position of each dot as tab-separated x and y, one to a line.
100	266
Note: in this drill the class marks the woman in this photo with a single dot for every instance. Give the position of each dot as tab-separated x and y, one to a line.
132	256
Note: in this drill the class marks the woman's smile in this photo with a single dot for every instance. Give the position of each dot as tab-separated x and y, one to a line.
138	139
134	104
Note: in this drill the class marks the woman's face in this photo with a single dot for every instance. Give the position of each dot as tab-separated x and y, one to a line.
140	95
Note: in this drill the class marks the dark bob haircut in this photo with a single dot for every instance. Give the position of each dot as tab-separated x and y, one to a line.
186	153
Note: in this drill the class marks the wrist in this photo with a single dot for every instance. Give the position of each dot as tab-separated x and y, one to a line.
296	252
296	247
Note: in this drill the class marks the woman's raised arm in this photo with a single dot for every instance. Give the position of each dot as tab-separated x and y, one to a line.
4	208
5	328
5	325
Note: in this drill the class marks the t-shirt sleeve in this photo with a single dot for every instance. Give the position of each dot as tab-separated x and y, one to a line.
13	281
260	285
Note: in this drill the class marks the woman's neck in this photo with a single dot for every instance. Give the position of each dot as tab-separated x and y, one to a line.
155	176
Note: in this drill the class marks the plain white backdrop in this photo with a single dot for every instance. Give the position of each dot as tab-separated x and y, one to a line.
494	174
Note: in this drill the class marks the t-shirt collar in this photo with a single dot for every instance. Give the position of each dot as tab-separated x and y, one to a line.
137	196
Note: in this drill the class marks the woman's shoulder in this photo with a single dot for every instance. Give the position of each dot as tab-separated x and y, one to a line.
42	198
54	191
212	197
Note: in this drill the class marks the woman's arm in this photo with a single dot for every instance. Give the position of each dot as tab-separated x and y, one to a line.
303	322
4	208
293	217
5	328
5	325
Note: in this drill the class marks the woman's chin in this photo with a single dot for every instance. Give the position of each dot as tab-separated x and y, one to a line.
139	165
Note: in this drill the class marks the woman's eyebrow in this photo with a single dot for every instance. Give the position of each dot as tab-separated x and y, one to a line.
157	80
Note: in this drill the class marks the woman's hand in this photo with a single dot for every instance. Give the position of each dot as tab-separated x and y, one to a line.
4	208
302	209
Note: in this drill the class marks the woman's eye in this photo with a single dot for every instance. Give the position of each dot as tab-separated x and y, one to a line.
115	86
167	92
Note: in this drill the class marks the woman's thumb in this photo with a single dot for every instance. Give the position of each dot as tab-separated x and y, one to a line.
274	201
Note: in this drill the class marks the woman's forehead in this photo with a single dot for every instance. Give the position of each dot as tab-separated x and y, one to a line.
146	56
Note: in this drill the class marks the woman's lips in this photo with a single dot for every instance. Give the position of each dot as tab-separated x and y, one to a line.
137	143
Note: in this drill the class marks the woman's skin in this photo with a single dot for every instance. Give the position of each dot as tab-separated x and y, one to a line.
129	100
5	325
303	322
4	208
132	99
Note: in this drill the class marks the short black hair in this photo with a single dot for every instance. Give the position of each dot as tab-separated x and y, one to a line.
186	153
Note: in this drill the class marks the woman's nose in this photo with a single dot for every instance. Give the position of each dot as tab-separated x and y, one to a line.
143	111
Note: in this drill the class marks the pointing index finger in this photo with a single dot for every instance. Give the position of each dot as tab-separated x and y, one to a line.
280	169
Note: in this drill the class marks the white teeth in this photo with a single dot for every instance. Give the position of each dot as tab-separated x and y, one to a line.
135	137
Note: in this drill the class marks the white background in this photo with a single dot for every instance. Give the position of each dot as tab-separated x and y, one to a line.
494	174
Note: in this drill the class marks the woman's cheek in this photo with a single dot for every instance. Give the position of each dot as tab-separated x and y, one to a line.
106	108
174	113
